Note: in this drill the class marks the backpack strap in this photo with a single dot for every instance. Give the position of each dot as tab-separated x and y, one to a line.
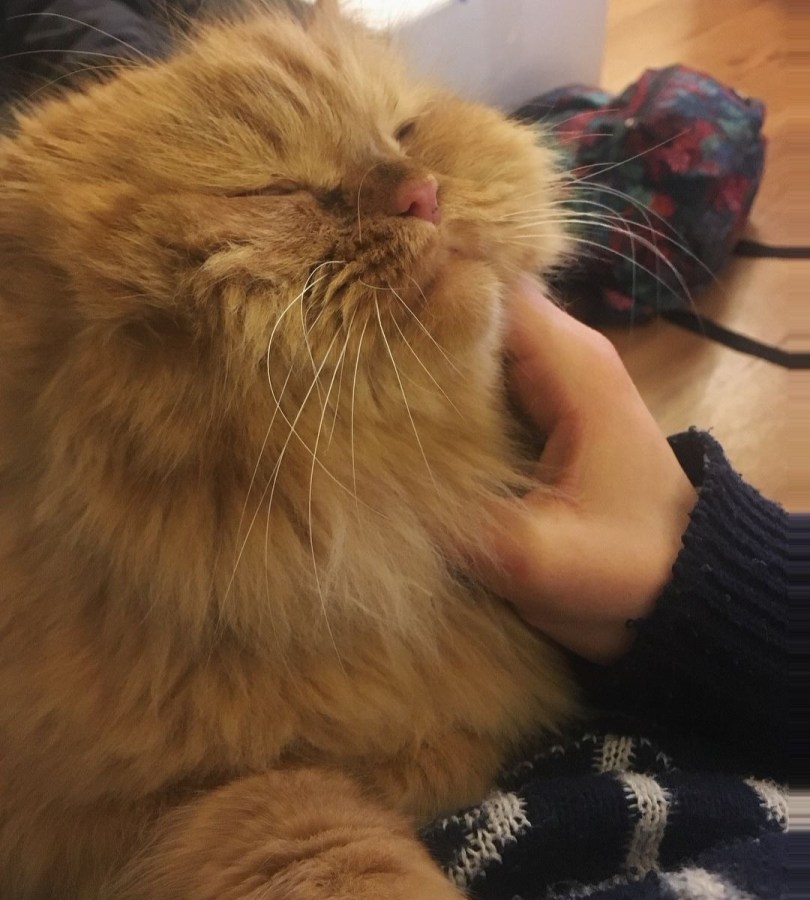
759	250
698	324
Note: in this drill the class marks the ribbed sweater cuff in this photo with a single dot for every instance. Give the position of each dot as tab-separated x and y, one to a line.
711	660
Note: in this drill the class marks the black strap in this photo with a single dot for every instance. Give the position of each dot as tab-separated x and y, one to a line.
755	248
691	321
707	328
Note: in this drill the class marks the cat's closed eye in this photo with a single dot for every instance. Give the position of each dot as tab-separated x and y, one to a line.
405	130
281	187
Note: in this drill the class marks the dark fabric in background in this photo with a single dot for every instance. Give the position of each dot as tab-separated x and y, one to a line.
44	40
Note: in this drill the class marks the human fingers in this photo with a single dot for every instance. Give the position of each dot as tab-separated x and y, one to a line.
557	364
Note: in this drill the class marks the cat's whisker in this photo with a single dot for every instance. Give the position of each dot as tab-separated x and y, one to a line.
294	433
611	223
540	124
308	286
590	219
261	454
657	253
378	287
278	408
277	401
336	402
672	236
354	391
581	180
340	381
550	196
591	134
419	322
368	171
601	247
390	289
630	233
547	203
273	478
610	214
315	571
123	60
402	391
424	367
72	74
273	481
294	422
86	25
336	481
556	211
575	218
601	168
627	198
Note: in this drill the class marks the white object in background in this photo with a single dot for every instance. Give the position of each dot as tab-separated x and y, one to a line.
503	52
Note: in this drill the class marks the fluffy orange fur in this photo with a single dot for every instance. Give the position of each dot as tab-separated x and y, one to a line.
242	406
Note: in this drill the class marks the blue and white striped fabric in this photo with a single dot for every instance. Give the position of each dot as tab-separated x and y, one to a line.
613	816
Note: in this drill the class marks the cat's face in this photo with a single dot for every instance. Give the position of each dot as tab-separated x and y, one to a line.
278	202
266	149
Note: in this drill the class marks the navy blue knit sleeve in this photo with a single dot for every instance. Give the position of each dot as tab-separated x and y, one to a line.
710	663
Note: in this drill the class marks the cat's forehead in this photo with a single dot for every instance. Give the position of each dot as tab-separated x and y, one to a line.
306	74
299	93
239	105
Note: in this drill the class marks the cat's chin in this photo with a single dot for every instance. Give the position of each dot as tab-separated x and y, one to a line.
464	302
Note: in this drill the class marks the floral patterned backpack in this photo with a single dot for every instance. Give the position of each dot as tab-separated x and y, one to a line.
665	175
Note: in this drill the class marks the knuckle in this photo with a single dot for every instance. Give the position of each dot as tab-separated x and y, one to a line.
604	350
605	359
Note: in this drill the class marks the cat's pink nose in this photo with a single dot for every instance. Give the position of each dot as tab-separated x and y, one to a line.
419	198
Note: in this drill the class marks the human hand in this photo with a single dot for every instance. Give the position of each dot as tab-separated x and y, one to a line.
596	548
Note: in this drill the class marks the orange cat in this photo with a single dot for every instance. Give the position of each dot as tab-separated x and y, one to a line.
250	382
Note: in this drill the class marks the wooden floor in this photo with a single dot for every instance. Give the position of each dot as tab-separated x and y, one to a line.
687	380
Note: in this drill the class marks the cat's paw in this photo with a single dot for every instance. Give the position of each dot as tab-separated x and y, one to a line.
411	887
386	868
295	835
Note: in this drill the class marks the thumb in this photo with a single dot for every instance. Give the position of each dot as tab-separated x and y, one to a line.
553	357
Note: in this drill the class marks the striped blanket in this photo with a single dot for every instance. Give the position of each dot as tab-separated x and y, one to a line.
613	816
